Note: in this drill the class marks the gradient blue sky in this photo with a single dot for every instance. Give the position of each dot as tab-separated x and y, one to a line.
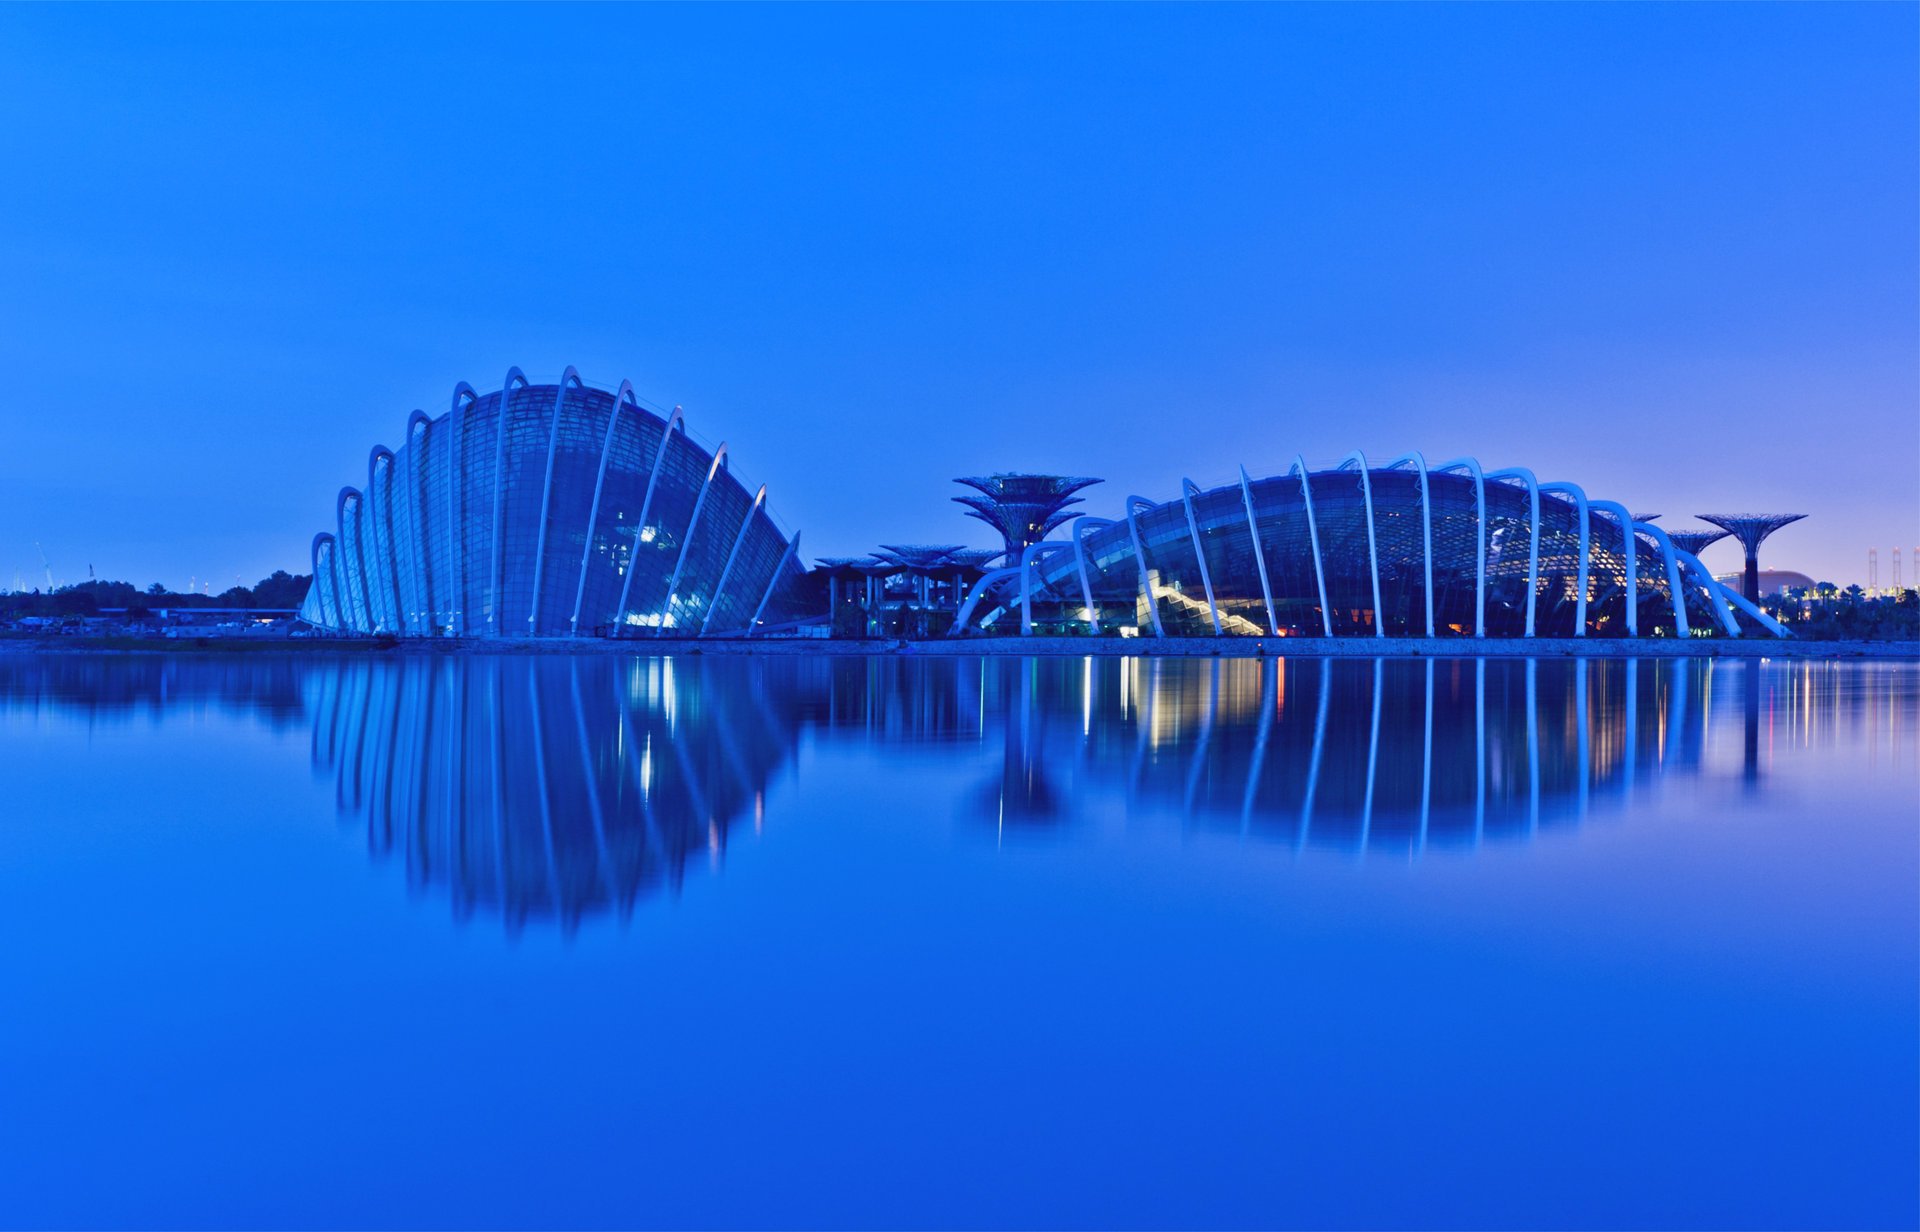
1666	252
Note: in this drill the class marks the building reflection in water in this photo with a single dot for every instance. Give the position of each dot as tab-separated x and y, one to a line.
565	787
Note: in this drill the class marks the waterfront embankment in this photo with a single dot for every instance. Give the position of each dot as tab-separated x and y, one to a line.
1226	648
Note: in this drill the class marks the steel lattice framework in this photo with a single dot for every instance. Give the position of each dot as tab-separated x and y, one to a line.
550	510
1406	549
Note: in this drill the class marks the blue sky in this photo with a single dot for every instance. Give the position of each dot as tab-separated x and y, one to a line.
1667	252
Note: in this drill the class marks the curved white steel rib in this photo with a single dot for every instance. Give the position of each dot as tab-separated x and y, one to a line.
675	420
1373	554
381	497
693	524
1580	504
1472	467
622	398
1259	553
419	429
358	604
1313	538
740	536
331	591
1080	557
1030	556
1715	592
793	549
1627	538
980	588
1187	490
1533	534
1673	576
500	421
1419	462
463	397
568	378
1134	505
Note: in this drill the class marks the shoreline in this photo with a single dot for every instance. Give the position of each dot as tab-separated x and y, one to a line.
1000	647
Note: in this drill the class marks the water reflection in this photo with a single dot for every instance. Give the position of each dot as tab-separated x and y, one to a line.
566	787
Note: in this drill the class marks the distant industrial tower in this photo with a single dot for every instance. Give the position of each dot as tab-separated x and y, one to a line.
1023	508
1750	529
1873	570
1692	541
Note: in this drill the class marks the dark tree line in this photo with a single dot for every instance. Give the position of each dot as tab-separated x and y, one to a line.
279	590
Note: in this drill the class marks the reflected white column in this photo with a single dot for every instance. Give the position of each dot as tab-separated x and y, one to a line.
1319	745
1269	698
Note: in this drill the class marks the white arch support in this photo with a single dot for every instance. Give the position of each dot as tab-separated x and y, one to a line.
568	378
381	496
740	537
1359	460
1187	490
1313	538
359	605
1579	503
686	544
463	398
1134	505
1741	602
1674	590
329	593
1080	557
1533	535
1259	553
1030	556
419	431
1419	462
495	582
1628	539
675	420
980	588
1689	563
793	549
622	398
1472	467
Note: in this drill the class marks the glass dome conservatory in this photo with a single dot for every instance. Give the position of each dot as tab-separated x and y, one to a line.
1402	550
550	510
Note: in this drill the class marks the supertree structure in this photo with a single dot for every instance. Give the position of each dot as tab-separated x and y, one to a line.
1692	541
1750	529
1023	508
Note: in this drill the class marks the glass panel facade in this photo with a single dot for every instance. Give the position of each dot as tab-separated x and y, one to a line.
444	543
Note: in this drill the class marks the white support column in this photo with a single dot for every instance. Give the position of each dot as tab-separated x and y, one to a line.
1187	489
675	420
495	577
463	397
1627	539
567	378
419	435
693	524
325	587
1419	461
1373	552
359	602
1533	535
1674	590
1723	611
1030	556
995	578
1134	504
1472	467
1080	557
622	398
1313	538
1259	555
1580	506
740	537
793	549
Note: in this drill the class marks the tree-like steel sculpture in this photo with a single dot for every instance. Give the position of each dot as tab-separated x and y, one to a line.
1023	508
1750	529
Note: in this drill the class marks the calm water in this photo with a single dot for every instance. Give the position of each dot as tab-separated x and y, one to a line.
577	942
